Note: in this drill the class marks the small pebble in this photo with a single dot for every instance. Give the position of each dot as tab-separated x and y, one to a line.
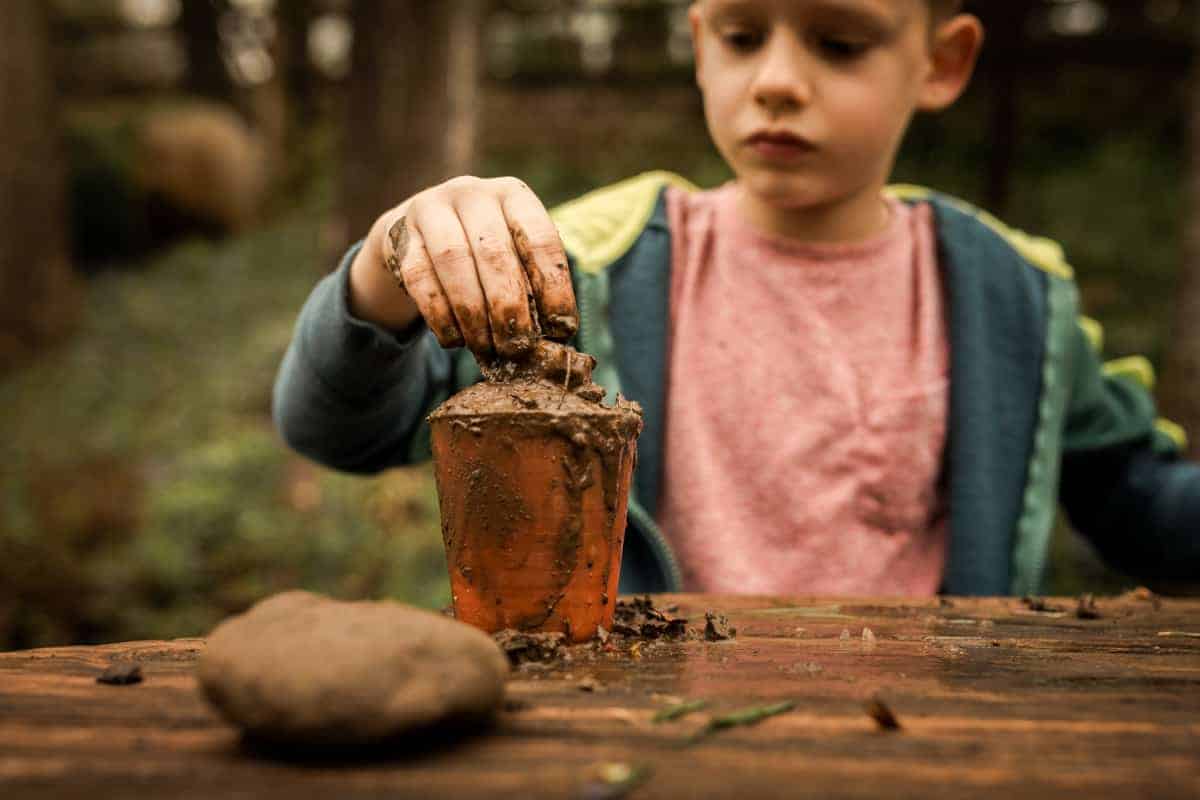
121	674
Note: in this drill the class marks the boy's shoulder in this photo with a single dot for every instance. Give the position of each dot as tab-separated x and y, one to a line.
602	225
1043	253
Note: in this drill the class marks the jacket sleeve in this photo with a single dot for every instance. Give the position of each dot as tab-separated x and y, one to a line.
1124	485
354	396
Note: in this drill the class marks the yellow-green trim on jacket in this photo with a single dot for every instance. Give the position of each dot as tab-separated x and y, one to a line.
600	227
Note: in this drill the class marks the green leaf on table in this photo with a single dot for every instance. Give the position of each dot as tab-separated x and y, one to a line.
679	710
745	716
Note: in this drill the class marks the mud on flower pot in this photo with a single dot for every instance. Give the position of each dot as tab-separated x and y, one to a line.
533	474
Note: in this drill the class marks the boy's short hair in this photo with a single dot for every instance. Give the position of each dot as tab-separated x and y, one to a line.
944	8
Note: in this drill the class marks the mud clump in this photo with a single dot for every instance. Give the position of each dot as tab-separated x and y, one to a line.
881	712
524	648
299	669
639	619
717	628
1039	605
636	622
1086	607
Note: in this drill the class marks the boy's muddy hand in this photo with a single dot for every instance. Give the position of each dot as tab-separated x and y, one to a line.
483	264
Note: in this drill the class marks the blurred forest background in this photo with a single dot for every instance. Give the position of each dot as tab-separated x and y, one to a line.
176	174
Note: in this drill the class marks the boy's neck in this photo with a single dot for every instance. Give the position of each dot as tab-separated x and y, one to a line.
849	219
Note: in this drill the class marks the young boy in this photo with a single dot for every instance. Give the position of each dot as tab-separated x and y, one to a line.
847	388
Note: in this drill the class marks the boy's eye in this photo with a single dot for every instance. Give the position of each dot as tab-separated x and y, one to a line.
742	40
841	49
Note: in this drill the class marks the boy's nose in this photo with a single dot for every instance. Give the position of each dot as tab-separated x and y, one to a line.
782	82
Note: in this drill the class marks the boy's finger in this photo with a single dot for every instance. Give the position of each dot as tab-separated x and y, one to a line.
446	244
541	253
420	281
500	274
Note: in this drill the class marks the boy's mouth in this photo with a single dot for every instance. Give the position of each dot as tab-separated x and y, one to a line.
779	145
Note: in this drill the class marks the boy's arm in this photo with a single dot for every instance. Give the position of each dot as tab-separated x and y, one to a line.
353	395
1124	485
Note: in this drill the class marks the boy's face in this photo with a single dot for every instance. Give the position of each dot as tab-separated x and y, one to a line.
808	100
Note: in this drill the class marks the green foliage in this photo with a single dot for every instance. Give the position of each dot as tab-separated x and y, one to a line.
1102	178
222	533
107	208
1126	246
145	493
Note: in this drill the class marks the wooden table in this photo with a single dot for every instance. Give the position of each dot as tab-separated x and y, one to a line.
994	699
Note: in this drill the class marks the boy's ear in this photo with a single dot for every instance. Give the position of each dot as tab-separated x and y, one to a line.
954	49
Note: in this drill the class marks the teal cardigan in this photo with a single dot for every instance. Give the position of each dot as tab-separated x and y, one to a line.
1035	417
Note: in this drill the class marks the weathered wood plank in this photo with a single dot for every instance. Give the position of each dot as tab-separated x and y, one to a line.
994	699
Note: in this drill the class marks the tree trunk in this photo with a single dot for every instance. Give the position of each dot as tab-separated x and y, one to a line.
1180	390
207	76
1002	62
294	18
412	102
39	295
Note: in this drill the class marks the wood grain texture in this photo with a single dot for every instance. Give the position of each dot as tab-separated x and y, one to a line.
994	700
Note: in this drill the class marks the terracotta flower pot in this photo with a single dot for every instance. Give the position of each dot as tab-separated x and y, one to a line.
533	475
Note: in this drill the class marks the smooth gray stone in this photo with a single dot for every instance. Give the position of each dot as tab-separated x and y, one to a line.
298	668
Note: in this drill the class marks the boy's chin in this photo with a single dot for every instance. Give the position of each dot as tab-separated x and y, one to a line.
787	193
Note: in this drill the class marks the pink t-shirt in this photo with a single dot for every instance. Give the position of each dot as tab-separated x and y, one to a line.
806	406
